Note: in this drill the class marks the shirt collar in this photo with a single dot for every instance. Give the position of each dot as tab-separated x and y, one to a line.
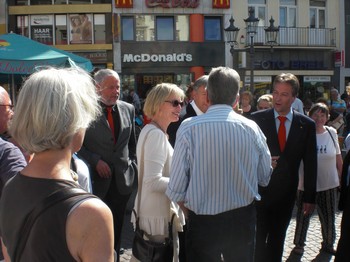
196	109
289	116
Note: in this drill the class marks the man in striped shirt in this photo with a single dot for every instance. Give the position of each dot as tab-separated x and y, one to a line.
219	159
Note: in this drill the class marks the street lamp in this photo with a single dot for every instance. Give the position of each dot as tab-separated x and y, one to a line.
231	33
251	27
271	34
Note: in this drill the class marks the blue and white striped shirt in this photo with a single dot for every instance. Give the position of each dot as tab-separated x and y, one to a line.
219	159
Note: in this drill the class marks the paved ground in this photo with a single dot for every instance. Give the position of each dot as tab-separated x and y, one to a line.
313	241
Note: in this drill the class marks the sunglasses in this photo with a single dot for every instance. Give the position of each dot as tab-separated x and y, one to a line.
175	103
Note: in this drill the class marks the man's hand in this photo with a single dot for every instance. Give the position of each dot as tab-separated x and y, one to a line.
103	169
308	208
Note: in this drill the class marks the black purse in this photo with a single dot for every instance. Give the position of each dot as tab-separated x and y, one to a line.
146	250
150	251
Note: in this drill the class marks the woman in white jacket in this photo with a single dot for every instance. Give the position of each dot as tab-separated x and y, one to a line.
163	106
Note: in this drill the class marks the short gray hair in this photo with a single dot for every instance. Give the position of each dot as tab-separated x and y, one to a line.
101	74
223	85
202	81
53	105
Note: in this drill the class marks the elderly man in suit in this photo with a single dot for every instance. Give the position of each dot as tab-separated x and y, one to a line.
198	106
110	149
291	137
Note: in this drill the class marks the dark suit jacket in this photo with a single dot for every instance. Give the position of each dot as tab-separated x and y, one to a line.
120	156
173	127
300	145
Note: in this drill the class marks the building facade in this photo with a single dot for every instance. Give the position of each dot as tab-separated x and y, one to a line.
177	41
151	41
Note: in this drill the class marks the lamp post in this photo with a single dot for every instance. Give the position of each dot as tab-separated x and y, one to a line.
271	34
251	27
231	33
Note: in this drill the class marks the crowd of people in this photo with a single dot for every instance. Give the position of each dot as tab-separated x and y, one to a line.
227	168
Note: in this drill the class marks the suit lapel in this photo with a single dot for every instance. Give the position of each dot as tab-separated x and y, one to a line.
295	127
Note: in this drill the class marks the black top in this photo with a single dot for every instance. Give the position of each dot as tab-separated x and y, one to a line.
47	239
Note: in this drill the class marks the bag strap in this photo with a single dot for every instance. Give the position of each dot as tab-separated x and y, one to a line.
139	190
331	136
51	200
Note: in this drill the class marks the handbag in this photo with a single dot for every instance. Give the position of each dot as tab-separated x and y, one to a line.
51	200
150	251
146	250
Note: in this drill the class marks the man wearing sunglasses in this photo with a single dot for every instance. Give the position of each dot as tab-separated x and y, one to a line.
198	106
11	158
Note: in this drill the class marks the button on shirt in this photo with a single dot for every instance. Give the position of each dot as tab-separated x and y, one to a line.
219	159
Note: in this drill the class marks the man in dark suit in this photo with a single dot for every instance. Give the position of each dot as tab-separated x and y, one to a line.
274	211
110	149
197	106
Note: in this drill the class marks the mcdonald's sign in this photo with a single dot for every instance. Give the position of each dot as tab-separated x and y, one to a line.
123	3
221	3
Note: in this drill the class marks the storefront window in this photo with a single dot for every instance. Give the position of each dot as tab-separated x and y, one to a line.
212	28
41	28
61	29
40	2
165	28
128	28
22	25
21	2
78	2
80	28
100	29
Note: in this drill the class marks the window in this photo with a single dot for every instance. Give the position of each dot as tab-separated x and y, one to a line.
100	29
128	28
151	28
40	2
22	27
80	28
182	28
288	12
212	28
259	8
317	13
165	28
145	28
61	29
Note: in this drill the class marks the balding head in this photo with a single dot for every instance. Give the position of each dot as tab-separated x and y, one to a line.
6	112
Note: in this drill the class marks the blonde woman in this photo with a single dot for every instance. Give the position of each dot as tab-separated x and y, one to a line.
163	105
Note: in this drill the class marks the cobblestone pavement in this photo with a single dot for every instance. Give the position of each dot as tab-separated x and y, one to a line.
312	248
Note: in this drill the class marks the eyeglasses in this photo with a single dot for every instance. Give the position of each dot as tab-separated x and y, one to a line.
11	106
175	103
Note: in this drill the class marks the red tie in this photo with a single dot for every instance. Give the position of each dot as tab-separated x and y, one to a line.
282	132
110	120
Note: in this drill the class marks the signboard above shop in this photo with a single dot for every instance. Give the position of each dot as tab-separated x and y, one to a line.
164	54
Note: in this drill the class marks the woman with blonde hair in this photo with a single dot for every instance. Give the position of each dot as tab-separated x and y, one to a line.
55	106
154	154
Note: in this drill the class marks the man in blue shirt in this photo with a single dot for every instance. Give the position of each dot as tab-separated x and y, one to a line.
219	159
